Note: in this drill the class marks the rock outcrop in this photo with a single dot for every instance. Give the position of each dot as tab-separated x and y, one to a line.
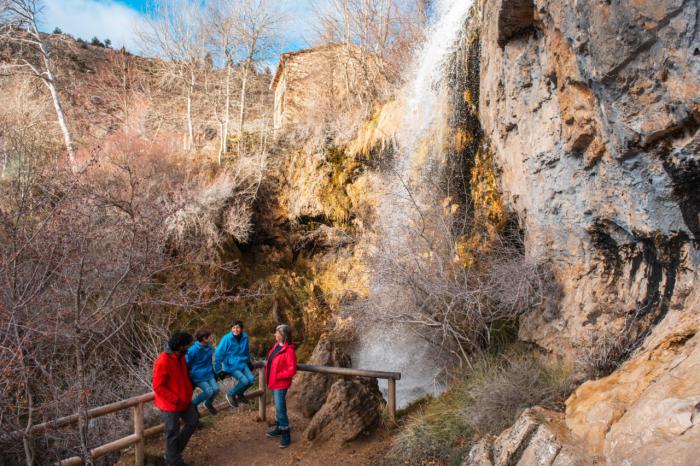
648	411
538	437
592	109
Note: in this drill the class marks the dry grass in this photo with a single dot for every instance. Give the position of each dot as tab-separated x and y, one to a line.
485	401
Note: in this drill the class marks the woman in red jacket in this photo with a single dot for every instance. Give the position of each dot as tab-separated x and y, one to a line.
171	384
280	367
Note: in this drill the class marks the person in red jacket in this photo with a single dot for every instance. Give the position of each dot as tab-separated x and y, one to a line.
173	389
280	367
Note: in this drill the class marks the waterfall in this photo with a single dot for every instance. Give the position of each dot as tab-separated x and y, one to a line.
392	344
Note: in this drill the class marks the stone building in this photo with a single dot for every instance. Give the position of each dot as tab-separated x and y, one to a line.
321	79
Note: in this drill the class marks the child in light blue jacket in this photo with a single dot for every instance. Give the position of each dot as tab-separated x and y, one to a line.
199	363
232	357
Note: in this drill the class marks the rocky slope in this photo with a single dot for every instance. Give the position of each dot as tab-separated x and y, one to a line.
592	109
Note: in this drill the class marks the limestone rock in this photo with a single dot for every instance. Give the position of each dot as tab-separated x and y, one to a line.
648	411
351	409
310	390
538	437
592	110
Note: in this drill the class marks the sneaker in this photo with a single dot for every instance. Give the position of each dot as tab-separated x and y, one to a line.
285	438
240	397
210	407
231	401
276	432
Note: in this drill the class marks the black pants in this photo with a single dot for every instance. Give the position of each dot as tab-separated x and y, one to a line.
176	439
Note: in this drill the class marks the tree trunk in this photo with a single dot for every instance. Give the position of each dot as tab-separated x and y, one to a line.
50	82
189	138
82	404
241	118
224	131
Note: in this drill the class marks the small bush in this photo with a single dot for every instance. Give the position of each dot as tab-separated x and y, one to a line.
503	391
488	400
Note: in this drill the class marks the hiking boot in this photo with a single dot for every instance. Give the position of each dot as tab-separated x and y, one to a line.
210	407
231	401
285	438
240	397
276	432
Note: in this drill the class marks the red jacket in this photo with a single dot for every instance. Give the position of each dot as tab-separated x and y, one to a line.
278	375
171	382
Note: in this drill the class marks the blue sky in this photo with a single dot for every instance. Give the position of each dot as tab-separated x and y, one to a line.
118	20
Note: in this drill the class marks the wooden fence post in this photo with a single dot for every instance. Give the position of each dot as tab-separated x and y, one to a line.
140	446
262	401
391	399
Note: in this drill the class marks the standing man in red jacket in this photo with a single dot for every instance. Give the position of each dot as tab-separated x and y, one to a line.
173	389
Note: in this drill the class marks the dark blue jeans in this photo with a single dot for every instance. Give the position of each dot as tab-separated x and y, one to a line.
281	408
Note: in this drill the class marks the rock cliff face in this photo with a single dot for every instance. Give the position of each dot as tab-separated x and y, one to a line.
592	109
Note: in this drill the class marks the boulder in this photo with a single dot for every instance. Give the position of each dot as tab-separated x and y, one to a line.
538	437
310	390
353	407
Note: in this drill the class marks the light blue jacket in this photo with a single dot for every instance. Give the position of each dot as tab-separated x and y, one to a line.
231	354
199	362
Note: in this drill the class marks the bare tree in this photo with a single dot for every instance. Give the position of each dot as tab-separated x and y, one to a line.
225	41
175	34
19	27
387	29
256	24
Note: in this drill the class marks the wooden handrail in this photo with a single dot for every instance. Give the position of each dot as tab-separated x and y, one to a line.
138	402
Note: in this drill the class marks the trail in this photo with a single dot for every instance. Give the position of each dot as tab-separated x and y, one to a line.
235	437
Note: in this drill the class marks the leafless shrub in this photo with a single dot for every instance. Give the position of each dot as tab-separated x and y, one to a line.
518	383
86	280
222	207
425	280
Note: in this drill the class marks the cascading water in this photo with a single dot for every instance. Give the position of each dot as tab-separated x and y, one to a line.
397	344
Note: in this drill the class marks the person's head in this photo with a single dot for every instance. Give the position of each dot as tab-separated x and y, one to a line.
203	335
237	327
179	342
283	334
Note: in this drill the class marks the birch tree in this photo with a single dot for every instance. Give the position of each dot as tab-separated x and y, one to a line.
256	26
174	33
224	39
19	28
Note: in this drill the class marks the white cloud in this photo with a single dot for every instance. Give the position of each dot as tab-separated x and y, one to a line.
94	18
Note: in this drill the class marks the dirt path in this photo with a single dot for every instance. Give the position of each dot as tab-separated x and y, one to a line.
237	437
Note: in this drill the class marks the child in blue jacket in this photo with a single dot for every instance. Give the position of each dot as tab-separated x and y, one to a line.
232	356
199	363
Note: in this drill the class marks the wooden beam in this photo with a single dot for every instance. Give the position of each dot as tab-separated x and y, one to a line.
104	450
348	372
391	400
262	402
140	447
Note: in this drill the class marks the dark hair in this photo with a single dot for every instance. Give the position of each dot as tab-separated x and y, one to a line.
179	341
237	322
201	334
286	332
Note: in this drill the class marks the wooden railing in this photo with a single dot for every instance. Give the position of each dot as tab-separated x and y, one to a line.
138	438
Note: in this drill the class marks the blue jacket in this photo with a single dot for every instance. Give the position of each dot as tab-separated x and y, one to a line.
198	361
232	354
